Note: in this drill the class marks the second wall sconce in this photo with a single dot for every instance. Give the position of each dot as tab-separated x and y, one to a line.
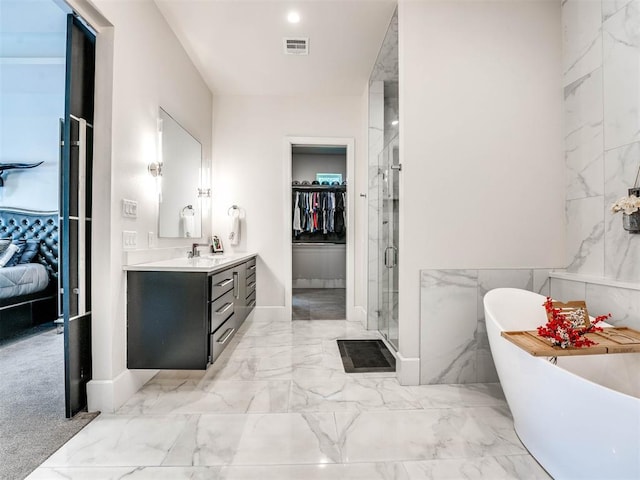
155	169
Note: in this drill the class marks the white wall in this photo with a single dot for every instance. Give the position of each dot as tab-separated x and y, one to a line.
305	166
482	184
248	170
138	70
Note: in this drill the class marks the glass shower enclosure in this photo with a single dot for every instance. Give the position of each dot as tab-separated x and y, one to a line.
382	196
388	241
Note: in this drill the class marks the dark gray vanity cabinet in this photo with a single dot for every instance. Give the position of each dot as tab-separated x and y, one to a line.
184	320
244	290
223	312
240	289
168	320
250	291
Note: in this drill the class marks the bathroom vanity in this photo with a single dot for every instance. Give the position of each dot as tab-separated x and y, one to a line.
182	313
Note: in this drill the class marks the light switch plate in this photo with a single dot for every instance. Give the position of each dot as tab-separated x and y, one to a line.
129	208
129	239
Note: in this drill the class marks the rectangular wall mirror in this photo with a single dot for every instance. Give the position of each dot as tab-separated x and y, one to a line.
180	208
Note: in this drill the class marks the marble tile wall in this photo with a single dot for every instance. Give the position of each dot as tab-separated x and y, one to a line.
602	133
376	140
622	303
454	345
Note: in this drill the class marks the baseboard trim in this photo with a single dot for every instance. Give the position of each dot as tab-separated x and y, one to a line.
108	395
408	369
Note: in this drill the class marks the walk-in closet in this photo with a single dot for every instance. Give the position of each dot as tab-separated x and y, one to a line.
319	232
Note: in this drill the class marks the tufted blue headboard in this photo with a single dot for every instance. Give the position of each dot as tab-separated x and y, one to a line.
32	225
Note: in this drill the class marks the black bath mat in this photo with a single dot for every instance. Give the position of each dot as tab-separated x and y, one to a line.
362	356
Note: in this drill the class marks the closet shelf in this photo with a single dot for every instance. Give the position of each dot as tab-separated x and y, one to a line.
318	243
319	188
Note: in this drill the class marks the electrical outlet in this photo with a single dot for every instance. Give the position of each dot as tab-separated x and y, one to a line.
129	239
129	208
152	239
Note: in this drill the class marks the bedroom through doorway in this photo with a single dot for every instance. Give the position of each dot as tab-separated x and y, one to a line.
47	67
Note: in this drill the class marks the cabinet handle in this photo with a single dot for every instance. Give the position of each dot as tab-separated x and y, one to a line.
251	285
236	285
252	267
224	309
224	283
222	340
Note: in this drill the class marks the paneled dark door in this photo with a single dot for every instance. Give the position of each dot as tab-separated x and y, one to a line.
75	212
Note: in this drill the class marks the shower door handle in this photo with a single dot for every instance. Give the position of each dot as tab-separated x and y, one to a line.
395	256
387	263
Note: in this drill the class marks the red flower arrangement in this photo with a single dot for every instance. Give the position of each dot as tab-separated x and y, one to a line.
567	326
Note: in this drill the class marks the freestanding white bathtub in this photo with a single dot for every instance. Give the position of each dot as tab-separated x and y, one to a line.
580	418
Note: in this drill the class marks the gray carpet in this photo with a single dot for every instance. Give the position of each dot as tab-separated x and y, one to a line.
32	421
319	304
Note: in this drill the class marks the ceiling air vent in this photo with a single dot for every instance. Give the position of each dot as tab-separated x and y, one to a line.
296	46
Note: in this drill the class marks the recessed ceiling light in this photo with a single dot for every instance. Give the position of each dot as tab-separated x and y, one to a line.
293	17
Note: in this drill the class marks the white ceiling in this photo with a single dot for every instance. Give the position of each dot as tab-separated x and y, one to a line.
237	45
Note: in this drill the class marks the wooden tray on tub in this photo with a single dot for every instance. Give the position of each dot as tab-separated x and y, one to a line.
610	340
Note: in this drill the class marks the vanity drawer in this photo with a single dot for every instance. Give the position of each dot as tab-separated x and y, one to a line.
221	309
251	266
251	287
251	300
221	283
221	337
251	277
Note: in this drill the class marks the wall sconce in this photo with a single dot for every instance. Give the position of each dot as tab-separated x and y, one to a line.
155	169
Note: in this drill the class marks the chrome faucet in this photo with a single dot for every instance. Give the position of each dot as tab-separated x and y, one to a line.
194	249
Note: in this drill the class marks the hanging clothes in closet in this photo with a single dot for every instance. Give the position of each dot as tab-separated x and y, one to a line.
319	215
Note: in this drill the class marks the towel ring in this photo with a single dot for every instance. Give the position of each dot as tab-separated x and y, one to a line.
190	209
233	208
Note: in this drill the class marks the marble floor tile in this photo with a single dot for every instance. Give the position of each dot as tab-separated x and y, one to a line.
288	439
359	471
277	404
160	395
127	473
223	396
207	440
260	329
121	440
346	393
512	467
455	396
426	434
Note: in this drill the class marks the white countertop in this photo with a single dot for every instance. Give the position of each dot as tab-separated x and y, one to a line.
205	263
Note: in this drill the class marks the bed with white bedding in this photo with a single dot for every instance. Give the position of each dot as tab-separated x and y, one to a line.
23	280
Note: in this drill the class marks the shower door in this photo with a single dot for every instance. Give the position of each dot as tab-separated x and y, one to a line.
388	170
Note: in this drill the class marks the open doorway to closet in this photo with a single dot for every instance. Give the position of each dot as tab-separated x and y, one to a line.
319	232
